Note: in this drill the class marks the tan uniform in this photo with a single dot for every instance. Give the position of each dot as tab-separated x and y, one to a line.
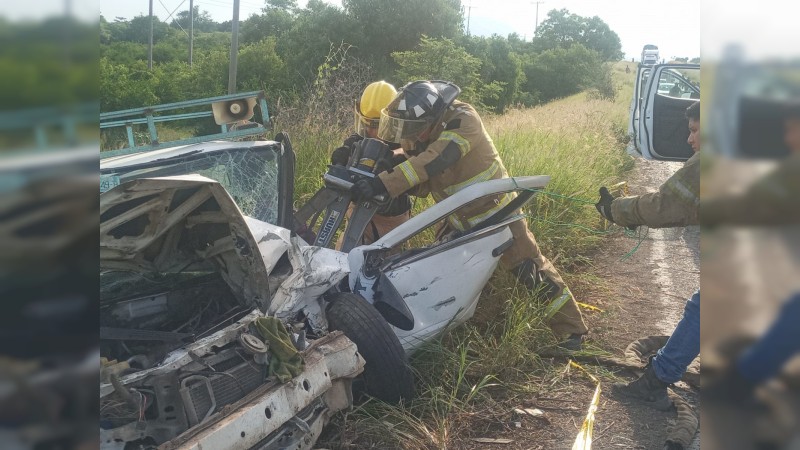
675	204
772	200
463	154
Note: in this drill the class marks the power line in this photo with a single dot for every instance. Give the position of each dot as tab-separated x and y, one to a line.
173	12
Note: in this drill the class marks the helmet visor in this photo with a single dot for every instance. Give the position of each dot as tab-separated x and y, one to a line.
395	129
365	126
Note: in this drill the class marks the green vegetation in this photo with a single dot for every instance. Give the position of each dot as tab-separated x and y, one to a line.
47	63
283	48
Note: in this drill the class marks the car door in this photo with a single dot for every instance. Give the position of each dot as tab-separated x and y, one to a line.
662	124
429	286
642	75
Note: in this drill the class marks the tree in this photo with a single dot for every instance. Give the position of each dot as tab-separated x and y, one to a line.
117	30
695	60
499	63
442	59
563	29
561	72
125	86
105	32
139	29
285	5
315	30
260	67
273	22
124	52
202	21
389	26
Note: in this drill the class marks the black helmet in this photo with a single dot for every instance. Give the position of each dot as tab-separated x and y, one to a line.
417	106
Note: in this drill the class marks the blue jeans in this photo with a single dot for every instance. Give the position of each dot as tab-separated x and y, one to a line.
682	347
767	356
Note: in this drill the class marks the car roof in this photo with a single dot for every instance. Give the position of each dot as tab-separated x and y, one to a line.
121	161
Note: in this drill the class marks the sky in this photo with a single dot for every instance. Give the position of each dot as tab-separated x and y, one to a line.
767	28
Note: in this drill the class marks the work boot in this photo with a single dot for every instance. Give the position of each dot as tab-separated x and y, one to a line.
573	343
529	274
729	388
647	389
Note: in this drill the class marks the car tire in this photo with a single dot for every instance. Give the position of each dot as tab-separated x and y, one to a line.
387	375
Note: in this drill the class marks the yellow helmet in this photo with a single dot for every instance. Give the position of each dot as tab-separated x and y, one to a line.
376	96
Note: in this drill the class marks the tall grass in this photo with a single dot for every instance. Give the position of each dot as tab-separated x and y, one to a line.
469	379
579	143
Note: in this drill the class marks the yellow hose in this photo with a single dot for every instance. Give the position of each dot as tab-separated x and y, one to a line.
584	439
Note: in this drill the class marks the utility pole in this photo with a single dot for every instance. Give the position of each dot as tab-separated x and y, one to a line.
469	13
150	47
234	48
191	30
67	35
536	28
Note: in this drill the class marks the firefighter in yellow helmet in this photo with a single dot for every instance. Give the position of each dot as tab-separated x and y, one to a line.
448	149
367	114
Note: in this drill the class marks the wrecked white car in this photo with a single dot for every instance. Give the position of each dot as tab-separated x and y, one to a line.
193	354
185	277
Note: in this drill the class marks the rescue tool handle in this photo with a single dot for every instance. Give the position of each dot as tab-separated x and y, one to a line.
337	182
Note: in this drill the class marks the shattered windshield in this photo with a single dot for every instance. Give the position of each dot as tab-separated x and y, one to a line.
250	175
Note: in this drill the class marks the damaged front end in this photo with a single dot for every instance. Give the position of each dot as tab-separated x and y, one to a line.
185	275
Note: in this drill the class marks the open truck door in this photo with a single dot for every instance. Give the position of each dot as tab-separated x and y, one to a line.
657	123
642	75
662	125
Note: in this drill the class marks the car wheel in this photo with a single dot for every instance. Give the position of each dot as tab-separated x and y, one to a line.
387	375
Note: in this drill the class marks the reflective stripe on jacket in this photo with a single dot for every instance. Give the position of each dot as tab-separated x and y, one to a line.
460	155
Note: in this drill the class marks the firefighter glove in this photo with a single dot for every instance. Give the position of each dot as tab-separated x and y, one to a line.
341	156
352	139
365	189
604	204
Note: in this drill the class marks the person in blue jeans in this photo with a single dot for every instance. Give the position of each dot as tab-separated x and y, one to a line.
675	204
772	200
767	356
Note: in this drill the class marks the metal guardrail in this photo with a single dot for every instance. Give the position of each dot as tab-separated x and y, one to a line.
147	115
42	120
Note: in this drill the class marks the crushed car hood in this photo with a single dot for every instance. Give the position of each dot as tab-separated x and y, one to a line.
187	223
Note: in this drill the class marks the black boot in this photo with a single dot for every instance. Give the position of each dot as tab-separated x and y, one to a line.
528	273
573	343
730	388
647	389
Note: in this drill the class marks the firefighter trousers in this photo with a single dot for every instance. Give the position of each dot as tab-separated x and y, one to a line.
564	316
